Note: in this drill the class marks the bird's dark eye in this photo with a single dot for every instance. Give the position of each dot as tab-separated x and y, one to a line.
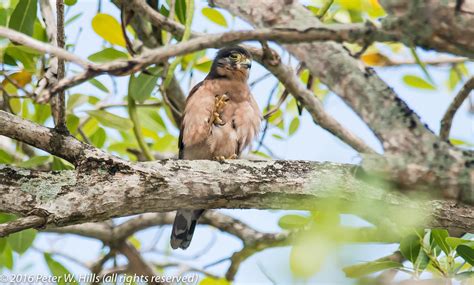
234	56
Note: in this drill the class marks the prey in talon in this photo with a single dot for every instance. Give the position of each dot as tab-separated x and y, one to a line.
220	102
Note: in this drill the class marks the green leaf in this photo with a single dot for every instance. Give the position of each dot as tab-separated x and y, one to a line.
180	10
140	87
58	270
454	79
70	2
467	275
466	253
26	59
213	281
5	157
98	138
359	270
453	242
6	258
72	19
3	244
422	261
108	28
135	242
75	100
110	120
417	82
291	222
308	256
60	164
34	161
98	85
295	123
23	17
21	241
107	55
410	247
215	16
42	113
439	236
421	64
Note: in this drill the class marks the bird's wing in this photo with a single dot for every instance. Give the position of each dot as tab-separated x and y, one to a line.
247	119
196	123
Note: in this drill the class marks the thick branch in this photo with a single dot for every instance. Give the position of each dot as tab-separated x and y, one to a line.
453	107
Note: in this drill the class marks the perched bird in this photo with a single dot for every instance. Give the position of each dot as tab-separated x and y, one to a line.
221	118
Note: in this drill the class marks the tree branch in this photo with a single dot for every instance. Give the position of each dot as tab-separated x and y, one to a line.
23	39
453	107
21	224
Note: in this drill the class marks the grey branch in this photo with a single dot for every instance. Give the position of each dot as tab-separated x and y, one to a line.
21	224
447	120
23	39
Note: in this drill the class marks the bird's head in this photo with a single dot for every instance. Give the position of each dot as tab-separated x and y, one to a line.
232	62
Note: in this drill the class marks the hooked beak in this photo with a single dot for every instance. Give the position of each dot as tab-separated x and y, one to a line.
247	63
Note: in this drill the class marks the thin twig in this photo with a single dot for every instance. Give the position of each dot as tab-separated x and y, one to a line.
20	224
447	120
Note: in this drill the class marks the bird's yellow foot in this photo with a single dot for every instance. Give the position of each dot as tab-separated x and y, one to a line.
222	158
219	104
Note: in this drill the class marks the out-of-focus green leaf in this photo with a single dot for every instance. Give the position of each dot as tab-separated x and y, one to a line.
76	100
42	113
141	86
422	261
57	269
70	2
39	32
439	236
466	252
72	122
291	222
3	244
98	85
90	127
167	143
359	270
15	105
108	28
294	125
410	247
3	17
34	161
262	154
107	55
180	10
135	242
308	256
278	137
458	142
72	19
215	16
203	64
151	119
5	157
26	59
421	64
110	120
467	275
213	281
61	164
453	242
6	258
23	17
21	241
98	138
454	79
417	82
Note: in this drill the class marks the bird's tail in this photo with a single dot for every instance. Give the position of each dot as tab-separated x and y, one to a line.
183	228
